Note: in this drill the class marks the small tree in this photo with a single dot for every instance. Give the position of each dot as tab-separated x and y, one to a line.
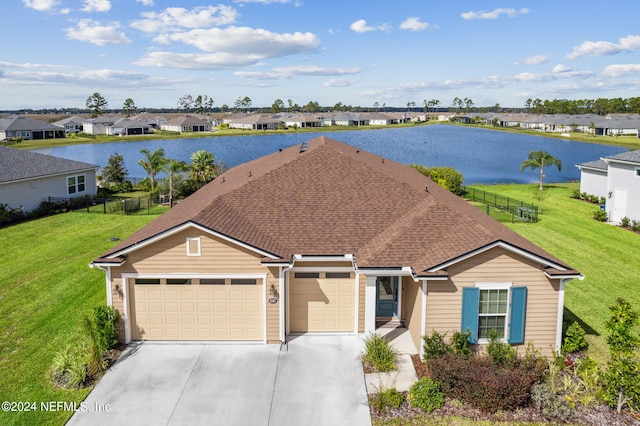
623	369
129	107
539	159
447	177
97	104
172	167
115	174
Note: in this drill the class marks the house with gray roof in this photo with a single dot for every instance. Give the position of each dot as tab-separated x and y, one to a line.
186	123
28	178
28	128
71	124
617	178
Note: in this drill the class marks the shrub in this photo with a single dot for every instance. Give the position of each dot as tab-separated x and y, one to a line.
501	353
600	215
483	383
69	367
551	405
625	222
426	395
574	340
379	354
10	215
460	343
435	345
106	320
386	398
576	194
635	225
447	177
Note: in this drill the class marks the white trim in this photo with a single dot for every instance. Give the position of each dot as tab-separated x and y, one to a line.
181	228
264	310
67	173
125	302
321	269
401	272
636	173
560	316
109	289
311	258
399	301
198	244
193	275
357	304
503	245
423	313
370	304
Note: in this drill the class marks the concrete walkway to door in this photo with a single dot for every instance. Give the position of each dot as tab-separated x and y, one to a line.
317	380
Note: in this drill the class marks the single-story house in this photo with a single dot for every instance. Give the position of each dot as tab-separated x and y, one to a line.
100	125
350	119
254	122
71	124
593	177
323	237
28	128
28	178
186	124
623	186
127	127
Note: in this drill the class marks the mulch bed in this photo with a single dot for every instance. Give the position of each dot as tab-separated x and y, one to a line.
598	415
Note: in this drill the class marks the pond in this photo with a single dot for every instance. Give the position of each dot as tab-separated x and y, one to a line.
483	156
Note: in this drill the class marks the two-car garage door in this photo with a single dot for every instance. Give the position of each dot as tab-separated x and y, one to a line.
197	309
321	302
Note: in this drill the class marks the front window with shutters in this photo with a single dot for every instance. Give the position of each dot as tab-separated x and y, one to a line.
492	312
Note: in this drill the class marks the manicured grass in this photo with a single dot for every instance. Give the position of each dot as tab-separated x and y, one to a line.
607	255
46	287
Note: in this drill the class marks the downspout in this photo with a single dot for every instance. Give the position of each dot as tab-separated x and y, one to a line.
423	323
560	315
107	271
283	301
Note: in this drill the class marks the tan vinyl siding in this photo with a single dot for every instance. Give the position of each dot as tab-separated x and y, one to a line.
117	301
412	308
362	287
444	298
273	309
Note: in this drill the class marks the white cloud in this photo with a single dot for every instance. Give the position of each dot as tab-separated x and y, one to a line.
413	24
145	2
629	43
41	5
282	73
177	18
96	33
87	78
296	2
494	14
96	6
560	68
338	82
361	26
619	70
244	41
535	60
216	61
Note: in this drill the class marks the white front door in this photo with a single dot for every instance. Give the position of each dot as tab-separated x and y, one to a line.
619	205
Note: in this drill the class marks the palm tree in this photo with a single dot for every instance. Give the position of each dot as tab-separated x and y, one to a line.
172	167
152	164
539	159
203	168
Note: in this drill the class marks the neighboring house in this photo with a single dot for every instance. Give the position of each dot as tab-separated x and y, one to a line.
254	122
623	186
186	124
100	125
127	126
380	119
28	178
350	119
153	121
71	124
593	177
323	237
28	128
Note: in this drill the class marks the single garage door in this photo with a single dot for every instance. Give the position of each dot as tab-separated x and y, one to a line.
197	309
321	302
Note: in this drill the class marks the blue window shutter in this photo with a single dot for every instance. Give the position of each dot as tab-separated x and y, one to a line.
518	314
470	301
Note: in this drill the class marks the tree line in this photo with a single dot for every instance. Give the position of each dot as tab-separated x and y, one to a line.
97	105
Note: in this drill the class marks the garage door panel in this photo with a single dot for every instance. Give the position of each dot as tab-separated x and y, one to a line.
321	305
197	312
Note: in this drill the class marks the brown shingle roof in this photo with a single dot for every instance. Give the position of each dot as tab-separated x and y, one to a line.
334	199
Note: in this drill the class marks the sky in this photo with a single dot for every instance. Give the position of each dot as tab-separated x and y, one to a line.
56	53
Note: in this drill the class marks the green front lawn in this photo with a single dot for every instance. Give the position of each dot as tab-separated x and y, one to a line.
607	255
46	287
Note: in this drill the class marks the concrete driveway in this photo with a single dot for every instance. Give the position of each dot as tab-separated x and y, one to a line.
318	380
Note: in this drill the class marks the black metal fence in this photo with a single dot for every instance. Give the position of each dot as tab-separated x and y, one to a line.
109	205
519	210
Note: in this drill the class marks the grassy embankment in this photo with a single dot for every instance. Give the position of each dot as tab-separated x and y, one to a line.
46	287
607	255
